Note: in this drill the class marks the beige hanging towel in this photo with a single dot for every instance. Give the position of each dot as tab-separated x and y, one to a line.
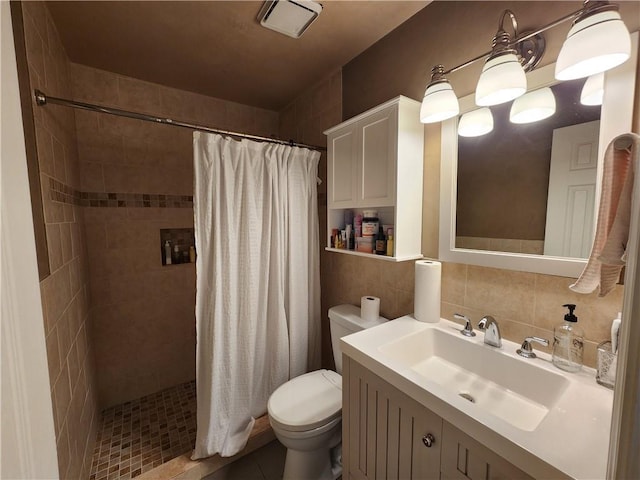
608	254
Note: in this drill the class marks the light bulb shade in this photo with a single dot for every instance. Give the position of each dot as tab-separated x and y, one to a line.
594	44
476	123
533	106
593	90
502	79
439	103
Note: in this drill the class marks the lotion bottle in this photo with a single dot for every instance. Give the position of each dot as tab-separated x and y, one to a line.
615	332
568	342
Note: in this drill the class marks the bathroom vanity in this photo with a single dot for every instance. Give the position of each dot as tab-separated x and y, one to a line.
421	401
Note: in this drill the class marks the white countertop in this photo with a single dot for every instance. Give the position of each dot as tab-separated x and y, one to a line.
571	441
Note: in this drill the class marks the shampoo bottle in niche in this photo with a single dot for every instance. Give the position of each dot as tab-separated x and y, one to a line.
568	339
167	253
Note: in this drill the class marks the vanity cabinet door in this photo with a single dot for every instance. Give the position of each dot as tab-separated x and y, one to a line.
464	458
383	430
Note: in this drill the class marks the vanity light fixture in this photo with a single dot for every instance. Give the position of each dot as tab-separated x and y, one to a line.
597	41
476	123
593	90
502	78
533	106
439	102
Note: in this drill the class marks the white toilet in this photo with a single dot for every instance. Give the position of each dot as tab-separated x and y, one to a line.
306	412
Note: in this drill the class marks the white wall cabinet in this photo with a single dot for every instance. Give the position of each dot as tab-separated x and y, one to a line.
375	161
386	434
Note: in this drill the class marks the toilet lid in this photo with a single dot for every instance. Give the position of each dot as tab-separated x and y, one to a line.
308	401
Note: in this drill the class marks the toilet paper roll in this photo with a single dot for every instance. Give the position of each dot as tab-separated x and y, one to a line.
426	299
369	308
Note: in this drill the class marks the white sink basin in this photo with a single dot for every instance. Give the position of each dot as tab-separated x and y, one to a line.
516	391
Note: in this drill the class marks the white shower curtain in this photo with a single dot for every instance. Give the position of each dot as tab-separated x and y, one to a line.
258	281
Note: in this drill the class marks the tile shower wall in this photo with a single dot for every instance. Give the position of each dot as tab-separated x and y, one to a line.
144	321
65	291
304	120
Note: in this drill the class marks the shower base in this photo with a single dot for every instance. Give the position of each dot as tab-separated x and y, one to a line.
142	434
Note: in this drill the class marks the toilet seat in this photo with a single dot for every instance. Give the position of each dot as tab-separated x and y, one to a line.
307	402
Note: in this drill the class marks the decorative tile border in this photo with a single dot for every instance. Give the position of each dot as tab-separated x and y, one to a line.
59	192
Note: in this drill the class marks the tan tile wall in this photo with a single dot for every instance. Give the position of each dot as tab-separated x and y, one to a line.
304	120
526	304
512	245
143	313
65	291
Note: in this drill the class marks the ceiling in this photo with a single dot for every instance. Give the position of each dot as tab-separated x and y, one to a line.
218	48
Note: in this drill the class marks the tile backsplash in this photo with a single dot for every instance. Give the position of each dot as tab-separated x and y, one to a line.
523	303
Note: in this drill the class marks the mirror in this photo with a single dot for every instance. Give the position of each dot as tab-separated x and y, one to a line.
549	162
482	223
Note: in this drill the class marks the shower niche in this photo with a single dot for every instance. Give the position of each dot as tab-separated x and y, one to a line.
177	246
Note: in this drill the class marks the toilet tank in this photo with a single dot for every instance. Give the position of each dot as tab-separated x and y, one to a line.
345	320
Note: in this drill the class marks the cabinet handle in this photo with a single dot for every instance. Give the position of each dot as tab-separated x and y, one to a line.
428	440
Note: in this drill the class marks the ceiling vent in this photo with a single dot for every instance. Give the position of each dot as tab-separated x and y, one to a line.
290	17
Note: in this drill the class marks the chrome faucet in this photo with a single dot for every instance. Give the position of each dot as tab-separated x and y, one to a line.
491	331
467	331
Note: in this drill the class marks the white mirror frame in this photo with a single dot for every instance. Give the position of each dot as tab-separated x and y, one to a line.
615	119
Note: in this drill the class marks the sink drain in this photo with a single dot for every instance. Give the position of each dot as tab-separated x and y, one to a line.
467	396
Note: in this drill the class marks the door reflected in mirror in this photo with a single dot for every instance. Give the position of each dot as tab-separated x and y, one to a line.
530	188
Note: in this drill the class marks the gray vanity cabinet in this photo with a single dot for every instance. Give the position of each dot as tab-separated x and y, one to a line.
383	430
387	435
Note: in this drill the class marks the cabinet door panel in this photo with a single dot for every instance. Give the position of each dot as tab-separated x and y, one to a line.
464	458
377	159
387	441
342	169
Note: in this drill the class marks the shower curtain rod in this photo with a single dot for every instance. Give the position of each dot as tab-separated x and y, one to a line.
43	99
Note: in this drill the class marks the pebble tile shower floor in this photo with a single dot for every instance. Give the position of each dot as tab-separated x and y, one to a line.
140	435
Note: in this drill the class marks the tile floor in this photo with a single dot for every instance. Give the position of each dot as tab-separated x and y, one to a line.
140	435
266	463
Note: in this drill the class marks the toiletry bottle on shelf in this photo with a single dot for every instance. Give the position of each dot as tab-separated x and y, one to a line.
192	254
568	340
390	242
381	247
176	254
357	224
167	253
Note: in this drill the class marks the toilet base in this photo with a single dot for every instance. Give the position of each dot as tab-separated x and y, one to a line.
310	465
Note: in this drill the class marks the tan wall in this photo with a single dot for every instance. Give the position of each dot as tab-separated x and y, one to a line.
448	33
143	312
65	291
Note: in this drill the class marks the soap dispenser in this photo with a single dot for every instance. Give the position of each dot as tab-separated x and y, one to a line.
568	339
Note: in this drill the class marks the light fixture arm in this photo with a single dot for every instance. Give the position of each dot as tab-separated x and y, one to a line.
502	39
528	35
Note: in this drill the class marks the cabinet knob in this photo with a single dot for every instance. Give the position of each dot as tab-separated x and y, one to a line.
428	440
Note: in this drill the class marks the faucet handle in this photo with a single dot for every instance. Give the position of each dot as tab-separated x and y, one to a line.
467	331
527	350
